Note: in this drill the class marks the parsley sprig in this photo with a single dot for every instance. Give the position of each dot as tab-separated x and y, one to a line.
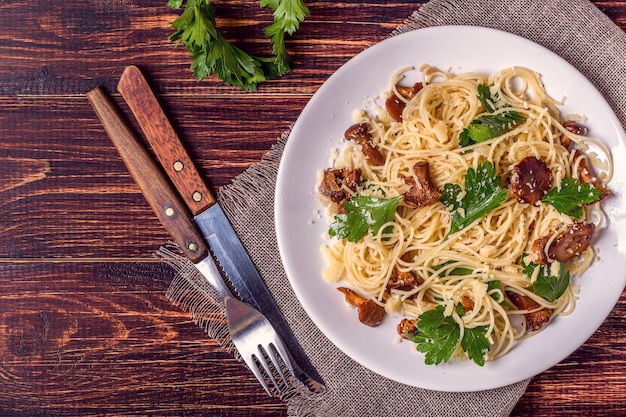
213	54
363	213
482	194
438	337
486	99
571	196
456	271
287	17
547	285
491	125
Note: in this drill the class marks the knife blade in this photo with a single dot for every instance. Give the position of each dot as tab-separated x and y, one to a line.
208	215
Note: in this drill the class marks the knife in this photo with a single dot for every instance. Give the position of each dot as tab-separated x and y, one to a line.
222	240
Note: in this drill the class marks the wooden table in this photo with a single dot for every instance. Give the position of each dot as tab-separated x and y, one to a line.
85	327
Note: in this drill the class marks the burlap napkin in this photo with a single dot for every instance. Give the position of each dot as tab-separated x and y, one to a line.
574	29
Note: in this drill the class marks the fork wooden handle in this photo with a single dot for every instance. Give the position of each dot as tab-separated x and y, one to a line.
154	186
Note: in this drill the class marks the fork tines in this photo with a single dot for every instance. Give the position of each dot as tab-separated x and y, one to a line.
267	371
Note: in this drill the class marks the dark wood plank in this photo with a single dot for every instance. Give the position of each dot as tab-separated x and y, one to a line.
64	190
70	50
116	347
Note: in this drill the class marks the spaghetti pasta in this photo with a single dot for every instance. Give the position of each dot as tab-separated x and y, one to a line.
438	252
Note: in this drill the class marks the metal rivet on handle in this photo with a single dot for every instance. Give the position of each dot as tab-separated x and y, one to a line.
192	246
197	196
169	212
178	166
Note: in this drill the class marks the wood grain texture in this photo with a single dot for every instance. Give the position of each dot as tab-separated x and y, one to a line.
116	347
85	327
74	191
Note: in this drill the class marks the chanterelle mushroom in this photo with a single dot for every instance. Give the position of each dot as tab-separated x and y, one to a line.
370	313
337	184
586	174
530	180
395	106
423	192
535	320
572	241
407	327
360	134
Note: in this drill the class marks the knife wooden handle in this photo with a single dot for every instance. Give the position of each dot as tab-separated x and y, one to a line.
155	187
164	141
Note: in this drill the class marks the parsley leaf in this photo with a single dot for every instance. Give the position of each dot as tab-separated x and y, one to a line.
494	285
489	126
482	194
363	213
546	285
475	344
457	271
213	54
287	17
569	198
438	337
484	96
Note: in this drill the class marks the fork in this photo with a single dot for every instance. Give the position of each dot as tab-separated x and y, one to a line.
251	332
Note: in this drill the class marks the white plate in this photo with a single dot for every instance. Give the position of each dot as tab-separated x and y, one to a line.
300	223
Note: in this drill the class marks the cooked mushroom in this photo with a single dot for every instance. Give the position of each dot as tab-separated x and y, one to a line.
575	128
360	134
407	327
395	106
587	175
467	303
337	183
370	313
535	320
530	180
422	192
402	280
584	172
570	242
